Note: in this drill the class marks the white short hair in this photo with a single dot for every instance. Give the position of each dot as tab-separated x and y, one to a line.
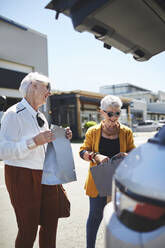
32	76
110	101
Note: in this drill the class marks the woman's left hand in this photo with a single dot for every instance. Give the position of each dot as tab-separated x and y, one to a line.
68	133
123	154
99	158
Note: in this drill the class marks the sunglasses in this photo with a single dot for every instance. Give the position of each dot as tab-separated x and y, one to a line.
110	114
40	121
48	87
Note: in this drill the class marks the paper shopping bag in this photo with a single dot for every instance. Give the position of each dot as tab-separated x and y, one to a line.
59	165
103	174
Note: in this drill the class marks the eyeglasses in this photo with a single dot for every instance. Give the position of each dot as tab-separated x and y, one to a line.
110	114
48	86
40	121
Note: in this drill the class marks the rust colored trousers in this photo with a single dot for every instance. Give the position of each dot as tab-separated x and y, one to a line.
34	204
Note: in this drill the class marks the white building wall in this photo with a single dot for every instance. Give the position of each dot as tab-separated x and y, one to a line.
24	46
161	96
24	50
139	105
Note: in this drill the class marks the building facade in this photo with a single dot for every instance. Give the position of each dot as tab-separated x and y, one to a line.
22	50
121	89
75	108
156	111
148	104
138	110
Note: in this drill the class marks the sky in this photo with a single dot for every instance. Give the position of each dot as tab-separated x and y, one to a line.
77	61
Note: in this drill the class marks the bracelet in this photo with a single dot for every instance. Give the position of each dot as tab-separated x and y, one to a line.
31	144
92	156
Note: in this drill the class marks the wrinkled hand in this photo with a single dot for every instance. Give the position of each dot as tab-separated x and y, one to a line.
86	155
101	158
122	154
68	133
44	137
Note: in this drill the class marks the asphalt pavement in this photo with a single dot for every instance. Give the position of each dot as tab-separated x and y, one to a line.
71	231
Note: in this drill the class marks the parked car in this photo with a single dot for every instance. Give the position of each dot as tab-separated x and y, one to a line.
136	218
147	126
161	123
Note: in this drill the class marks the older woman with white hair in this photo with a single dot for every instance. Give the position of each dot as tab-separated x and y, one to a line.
24	135
102	142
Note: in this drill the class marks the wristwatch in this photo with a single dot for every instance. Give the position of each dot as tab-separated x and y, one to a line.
31	144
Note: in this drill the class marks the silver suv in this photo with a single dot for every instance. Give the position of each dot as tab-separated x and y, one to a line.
147	126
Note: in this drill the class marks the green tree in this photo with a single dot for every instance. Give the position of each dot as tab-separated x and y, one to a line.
89	124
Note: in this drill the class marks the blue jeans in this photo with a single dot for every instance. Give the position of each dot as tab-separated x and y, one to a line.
94	219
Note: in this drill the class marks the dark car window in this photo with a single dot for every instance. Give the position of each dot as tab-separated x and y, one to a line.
149	123
141	124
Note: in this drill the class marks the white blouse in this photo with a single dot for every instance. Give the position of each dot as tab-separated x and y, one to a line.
19	124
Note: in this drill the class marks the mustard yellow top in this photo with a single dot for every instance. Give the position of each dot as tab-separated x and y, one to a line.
91	143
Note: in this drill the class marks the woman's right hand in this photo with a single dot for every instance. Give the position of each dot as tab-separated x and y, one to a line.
98	157
44	137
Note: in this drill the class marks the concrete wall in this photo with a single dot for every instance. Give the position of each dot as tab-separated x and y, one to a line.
156	107
139	106
24	46
161	96
23	50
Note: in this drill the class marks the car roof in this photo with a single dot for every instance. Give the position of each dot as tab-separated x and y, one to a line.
149	121
146	121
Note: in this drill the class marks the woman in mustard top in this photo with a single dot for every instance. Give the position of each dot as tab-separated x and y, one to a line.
102	142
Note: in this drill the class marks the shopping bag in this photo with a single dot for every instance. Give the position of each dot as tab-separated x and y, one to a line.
103	174
59	165
64	203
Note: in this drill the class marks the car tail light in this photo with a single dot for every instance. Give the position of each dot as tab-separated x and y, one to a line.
137	212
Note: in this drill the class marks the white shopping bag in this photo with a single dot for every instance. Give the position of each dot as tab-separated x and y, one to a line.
59	165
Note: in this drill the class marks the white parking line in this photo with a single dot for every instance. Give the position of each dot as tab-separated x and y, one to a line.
2	186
